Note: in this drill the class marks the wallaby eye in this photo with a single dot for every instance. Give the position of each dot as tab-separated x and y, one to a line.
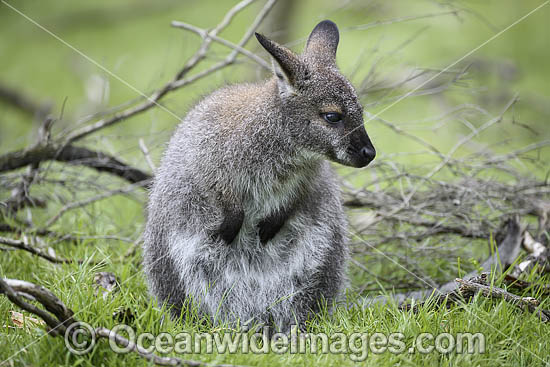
332	117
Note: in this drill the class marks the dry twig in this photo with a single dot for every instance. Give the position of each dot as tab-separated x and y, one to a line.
22	245
525	303
60	318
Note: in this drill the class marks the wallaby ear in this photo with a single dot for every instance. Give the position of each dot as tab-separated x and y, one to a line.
288	65
322	43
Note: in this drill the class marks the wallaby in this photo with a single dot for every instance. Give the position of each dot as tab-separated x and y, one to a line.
245	217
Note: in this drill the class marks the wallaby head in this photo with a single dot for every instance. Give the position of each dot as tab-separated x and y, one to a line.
319	105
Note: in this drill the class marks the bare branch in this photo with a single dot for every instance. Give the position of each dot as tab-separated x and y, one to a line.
525	303
21	245
72	155
205	34
24	102
92	199
178	81
11	287
60	318
146	154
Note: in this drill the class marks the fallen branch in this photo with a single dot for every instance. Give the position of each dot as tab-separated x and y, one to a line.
60	318
20	196
79	204
514	282
480	284
73	155
21	245
151	357
508	249
505	255
15	289
449	297
23	102
539	256
58	237
435	228
525	303
64	151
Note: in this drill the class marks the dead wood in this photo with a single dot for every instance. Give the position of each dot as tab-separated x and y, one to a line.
529	304
22	245
72	155
60	319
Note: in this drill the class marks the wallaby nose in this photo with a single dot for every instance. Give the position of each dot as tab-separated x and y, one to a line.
368	153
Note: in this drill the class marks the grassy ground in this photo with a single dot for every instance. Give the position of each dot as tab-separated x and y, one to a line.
141	48
511	337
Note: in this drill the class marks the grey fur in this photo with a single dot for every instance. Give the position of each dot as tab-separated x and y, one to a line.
244	215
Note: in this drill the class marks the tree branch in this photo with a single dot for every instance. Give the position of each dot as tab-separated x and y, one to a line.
23	102
524	303
73	155
179	80
60	318
21	245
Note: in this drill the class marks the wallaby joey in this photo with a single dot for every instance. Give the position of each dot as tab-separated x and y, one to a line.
245	220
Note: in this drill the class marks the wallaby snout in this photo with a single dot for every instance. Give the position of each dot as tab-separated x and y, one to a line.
363	149
368	154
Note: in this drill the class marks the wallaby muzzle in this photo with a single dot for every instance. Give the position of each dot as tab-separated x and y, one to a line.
368	153
361	149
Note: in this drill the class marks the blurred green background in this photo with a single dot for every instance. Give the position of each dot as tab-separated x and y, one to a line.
134	40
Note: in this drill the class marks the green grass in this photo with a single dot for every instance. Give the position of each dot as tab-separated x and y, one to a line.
512	337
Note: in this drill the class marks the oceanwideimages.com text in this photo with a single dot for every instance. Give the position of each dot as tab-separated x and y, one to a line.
81	338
